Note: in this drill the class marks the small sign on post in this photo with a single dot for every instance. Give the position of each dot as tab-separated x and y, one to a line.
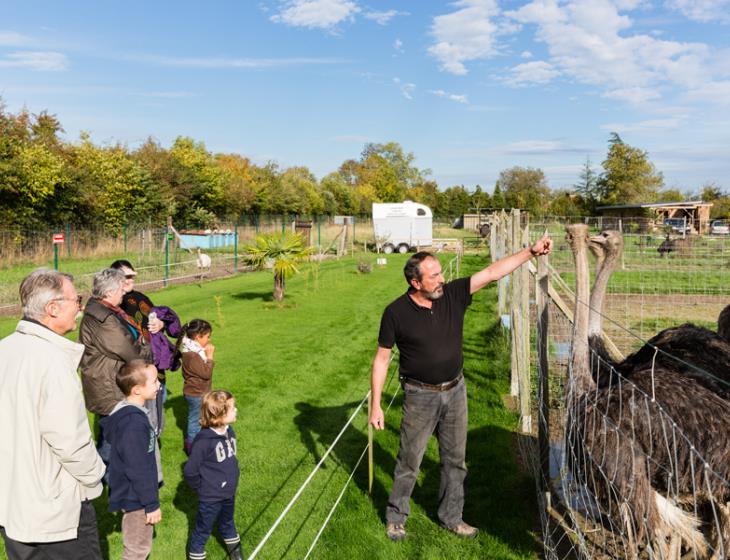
58	239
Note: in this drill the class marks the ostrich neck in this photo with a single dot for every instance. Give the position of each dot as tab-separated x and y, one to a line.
580	354
606	264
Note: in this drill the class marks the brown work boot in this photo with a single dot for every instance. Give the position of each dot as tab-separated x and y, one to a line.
395	531
463	530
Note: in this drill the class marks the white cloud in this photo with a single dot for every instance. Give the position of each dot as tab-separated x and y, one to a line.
537	72
525	54
398	45
466	34
702	10
406	89
634	95
12	39
323	14
383	18
459	98
652	125
592	43
716	92
35	60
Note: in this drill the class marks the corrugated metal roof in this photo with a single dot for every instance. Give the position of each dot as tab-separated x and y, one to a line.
685	204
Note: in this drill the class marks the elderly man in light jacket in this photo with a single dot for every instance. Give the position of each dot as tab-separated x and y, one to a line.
49	468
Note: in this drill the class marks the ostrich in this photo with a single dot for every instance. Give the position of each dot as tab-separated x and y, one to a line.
693	351
648	437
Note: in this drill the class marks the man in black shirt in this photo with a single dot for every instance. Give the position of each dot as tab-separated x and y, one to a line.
427	323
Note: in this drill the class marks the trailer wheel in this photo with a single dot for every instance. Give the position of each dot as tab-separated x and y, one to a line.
388	248
403	248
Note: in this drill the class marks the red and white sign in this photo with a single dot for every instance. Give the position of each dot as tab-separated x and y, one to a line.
58	238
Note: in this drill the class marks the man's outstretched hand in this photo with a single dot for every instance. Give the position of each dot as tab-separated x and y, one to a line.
542	246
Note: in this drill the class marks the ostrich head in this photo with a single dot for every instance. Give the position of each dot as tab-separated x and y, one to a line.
577	237
607	247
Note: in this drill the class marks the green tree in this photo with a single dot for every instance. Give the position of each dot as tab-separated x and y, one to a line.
204	188
671	195
298	193
112	183
455	201
480	199
587	186
498	197
407	175
237	182
566	203
628	176
334	187
283	251
525	188
426	192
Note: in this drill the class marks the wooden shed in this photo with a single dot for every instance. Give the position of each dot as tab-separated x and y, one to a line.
696	212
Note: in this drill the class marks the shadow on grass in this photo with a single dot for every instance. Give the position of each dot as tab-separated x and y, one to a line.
319	426
186	501
251	296
499	499
106	521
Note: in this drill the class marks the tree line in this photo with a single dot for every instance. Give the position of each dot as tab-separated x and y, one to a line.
45	180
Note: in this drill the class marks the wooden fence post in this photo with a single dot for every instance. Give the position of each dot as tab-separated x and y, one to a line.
501	250
523	349
515	321
542	289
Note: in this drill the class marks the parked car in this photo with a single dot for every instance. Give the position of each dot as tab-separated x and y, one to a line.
678	225
720	227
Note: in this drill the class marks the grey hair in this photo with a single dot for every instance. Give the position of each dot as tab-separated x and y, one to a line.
106	281
38	289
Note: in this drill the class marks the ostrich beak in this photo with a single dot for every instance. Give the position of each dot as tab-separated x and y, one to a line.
597	240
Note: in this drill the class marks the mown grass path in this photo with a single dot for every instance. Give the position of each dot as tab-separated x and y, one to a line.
298	370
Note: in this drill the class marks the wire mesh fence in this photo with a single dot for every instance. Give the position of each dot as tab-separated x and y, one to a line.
629	448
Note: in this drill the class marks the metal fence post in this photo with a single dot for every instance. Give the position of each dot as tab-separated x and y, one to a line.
235	248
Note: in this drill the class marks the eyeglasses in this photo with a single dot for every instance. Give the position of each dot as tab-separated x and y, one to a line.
78	299
130	276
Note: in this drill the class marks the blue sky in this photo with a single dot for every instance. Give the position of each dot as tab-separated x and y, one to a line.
471	87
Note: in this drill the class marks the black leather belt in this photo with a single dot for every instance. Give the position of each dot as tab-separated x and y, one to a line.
445	386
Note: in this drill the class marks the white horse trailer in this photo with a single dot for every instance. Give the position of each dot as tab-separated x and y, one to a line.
402	226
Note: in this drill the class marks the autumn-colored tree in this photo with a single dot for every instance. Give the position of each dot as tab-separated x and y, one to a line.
525	188
237	182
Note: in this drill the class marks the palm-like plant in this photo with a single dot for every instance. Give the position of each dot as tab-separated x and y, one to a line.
283	251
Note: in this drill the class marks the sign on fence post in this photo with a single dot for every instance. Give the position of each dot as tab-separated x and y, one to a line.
58	239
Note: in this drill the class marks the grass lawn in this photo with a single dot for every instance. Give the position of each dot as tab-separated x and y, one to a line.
298	371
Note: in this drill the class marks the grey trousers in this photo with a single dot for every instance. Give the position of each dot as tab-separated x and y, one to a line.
424	412
136	535
84	547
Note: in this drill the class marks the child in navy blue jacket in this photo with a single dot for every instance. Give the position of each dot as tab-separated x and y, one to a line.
212	471
134	471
